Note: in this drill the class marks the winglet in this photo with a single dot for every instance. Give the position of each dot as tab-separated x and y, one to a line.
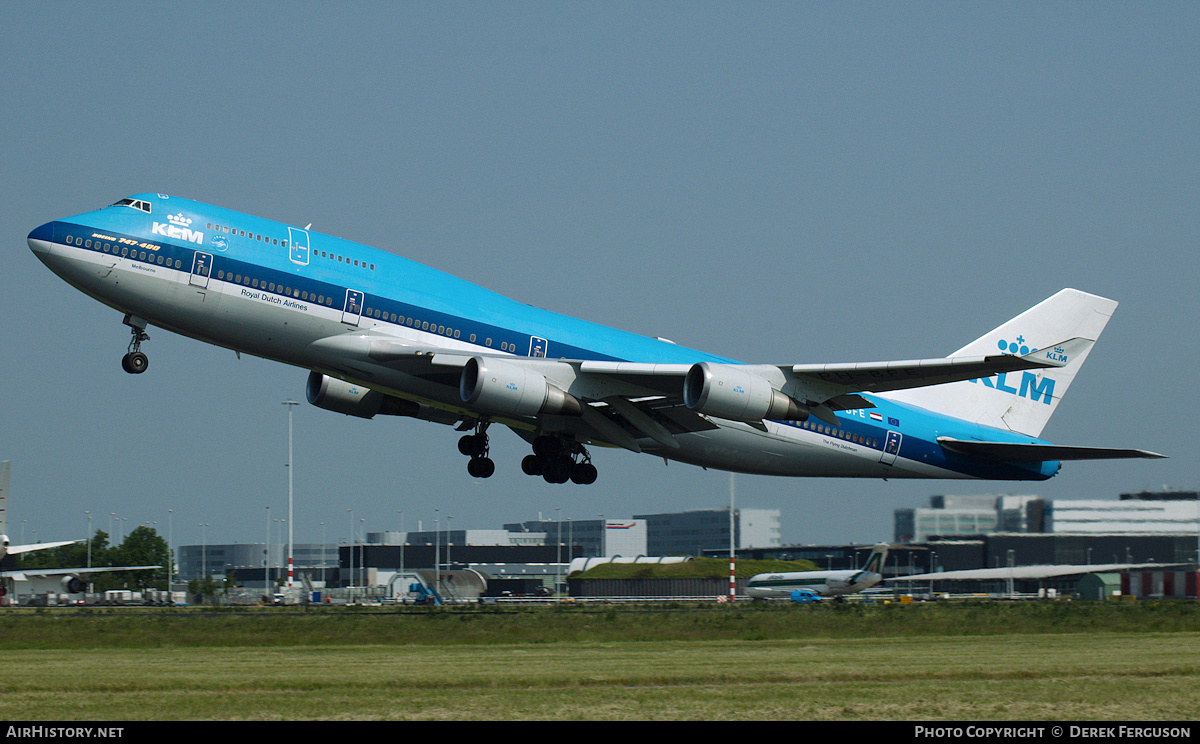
1060	354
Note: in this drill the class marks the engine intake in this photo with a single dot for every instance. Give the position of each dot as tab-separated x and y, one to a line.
727	392
502	387
74	585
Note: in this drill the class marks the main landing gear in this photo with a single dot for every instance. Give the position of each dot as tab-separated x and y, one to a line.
135	362
558	460
475	446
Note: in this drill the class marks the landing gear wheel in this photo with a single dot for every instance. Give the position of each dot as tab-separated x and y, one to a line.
584	474
558	471
559	458
135	362
548	447
473	445
532	465
481	467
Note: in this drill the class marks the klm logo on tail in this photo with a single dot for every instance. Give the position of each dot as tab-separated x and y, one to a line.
1030	387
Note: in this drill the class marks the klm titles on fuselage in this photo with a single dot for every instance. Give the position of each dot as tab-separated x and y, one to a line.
276	299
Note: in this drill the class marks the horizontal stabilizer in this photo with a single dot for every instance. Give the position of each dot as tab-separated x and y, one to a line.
1014	452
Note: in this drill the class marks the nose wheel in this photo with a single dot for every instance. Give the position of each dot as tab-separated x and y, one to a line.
135	362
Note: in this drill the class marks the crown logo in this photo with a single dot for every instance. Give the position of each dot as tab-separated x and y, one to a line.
179	219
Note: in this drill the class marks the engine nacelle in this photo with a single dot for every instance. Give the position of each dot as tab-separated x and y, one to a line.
74	585
502	387
724	391
337	395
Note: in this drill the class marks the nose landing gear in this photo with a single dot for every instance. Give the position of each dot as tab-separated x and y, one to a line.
135	362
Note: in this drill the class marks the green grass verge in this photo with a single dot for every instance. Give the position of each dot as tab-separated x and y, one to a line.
1051	661
64	628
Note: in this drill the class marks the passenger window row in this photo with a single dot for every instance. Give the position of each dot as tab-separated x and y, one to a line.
838	433
125	251
304	295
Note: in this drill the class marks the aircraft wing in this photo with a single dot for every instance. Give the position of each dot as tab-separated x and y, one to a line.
626	401
879	377
27	573
14	549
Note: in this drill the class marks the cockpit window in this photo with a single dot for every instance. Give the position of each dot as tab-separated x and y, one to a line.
135	203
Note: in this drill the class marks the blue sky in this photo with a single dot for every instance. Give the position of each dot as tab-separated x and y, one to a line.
770	182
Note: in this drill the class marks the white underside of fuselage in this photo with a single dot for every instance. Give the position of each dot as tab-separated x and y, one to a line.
255	322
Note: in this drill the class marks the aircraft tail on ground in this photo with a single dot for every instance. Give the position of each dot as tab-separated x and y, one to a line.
875	560
1020	401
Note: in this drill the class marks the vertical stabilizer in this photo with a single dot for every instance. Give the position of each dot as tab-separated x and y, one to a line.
1020	401
875	560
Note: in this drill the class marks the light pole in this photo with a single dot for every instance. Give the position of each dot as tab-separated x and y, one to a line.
732	547
291	404
267	556
403	539
204	550
170	549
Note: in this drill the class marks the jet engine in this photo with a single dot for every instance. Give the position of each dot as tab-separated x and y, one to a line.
74	585
337	395
727	392
502	387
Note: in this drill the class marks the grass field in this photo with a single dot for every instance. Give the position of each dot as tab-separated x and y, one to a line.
1034	661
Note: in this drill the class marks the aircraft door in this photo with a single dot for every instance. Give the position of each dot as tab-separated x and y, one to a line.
201	269
353	308
537	347
891	447
298	245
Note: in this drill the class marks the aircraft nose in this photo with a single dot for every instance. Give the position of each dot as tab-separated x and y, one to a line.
41	240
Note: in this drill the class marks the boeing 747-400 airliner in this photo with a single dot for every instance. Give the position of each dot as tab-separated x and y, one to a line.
381	334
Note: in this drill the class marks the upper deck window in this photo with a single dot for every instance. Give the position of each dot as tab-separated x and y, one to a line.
135	203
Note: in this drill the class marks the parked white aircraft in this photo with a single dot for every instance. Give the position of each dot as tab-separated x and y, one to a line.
70	580
5	547
821	583
381	334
